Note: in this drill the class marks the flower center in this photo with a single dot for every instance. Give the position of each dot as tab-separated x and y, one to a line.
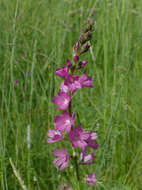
57	133
67	122
66	102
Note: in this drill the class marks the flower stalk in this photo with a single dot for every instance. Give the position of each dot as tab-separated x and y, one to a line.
75	135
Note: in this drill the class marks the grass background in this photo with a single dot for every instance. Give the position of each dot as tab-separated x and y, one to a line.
37	36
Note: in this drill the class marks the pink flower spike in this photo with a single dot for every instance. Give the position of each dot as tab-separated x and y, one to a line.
62	72
62	160
68	62
54	136
64	122
85	81
91	179
62	100
78	138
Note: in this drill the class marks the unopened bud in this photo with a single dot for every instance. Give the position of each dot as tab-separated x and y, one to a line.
87	27
91	21
85	48
75	58
83	63
85	37
75	49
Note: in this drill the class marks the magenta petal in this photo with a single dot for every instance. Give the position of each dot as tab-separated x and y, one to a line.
64	165
68	128
91	179
62	72
93	145
59	123
55	100
50	133
85	135
77	137
57	152
62	100
57	162
63	158
64	122
49	140
93	136
64	151
54	136
64	88
82	144
68	62
73	83
85	81
78	128
89	157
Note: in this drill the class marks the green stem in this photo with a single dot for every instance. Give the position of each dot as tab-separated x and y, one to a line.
76	168
74	153
70	110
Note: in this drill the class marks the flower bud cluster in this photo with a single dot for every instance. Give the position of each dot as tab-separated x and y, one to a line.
82	44
64	128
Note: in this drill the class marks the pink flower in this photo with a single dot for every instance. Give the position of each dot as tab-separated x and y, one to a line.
62	72
85	81
54	136
86	158
78	138
64	122
72	82
62	100
62	160
91	179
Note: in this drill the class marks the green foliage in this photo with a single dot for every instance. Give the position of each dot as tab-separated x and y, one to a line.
37	37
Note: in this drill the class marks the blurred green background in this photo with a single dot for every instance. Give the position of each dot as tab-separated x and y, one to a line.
36	37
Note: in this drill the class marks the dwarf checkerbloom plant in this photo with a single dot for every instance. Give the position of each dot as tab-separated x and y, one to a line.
64	129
